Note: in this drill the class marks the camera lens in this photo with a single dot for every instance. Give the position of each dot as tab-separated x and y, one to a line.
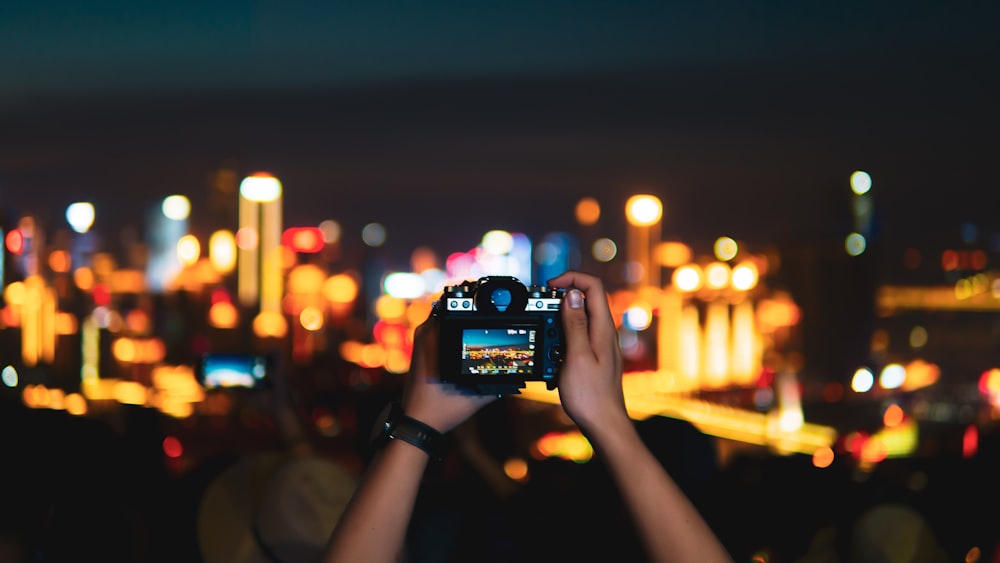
500	299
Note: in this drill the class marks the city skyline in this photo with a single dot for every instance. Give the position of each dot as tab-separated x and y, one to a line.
752	132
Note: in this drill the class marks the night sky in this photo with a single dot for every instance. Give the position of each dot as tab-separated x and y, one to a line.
446	119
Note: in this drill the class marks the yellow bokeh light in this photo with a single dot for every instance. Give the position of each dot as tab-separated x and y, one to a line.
124	350
643	210
311	319
13	294
270	324
390	308
75	404
176	207
397	361
306	279
222	251
188	250
497	242
350	350
725	248
223	315
130	392
687	278
673	254
744	276
717	275
83	277
372	356
604	250
855	244
260	187
861	182
340	288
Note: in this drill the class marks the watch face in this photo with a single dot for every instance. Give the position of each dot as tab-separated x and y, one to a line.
380	431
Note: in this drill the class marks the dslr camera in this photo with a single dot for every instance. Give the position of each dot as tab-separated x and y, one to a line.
495	334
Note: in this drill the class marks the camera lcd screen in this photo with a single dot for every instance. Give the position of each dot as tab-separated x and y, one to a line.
498	351
232	370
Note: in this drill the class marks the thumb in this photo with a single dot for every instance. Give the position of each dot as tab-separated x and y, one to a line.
575	326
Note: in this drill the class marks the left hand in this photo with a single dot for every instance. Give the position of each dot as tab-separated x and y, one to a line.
425	398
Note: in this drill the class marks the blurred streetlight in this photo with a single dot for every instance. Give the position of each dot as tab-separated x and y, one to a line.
259	266
80	216
862	206
643	212
222	251
167	225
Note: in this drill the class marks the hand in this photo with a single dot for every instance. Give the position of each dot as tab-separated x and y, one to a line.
590	389
425	397
590	380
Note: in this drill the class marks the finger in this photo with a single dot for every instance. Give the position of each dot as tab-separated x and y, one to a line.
423	360
601	325
575	327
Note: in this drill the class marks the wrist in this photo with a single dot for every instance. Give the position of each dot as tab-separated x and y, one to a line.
610	430
395	425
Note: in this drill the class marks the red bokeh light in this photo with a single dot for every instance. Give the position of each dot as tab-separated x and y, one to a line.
14	241
303	239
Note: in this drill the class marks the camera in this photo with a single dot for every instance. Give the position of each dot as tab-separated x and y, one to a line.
496	334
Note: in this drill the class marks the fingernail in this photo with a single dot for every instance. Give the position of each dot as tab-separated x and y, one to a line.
575	298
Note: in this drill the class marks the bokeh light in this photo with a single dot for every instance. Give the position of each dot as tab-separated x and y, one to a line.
643	210
725	248
80	216
861	182
672	253
688	278
588	211
863	380
222	251
176	207
331	231
497	242
855	244
373	234
892	376
261	187
604	250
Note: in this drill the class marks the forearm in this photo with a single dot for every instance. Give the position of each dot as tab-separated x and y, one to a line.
670	526
490	470
373	526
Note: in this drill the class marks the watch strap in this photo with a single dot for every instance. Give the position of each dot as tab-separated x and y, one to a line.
416	433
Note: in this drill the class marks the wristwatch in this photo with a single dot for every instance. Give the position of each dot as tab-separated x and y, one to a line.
393	424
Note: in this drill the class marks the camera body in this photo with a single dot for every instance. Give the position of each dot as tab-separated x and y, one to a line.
496	334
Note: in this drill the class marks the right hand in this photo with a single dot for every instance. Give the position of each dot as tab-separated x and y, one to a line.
590	380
